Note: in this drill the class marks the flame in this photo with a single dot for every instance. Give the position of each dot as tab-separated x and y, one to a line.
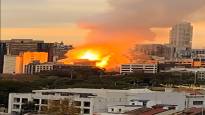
90	54
106	56
95	56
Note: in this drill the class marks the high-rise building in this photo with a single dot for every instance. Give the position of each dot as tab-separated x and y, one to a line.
181	37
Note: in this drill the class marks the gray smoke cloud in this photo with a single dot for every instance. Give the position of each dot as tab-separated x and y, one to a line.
134	18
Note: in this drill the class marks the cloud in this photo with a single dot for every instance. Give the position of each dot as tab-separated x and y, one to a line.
132	19
38	13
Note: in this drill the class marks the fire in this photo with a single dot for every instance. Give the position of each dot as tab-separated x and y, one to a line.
90	54
95	56
107	56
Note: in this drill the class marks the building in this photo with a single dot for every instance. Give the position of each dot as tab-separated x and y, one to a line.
181	37
37	67
17	46
146	68
9	64
60	49
2	52
199	73
97	101
159	50
27	58
56	51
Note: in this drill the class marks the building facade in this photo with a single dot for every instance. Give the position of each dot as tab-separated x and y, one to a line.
181	37
37	67
146	68
27	58
2	52
97	101
9	64
17	46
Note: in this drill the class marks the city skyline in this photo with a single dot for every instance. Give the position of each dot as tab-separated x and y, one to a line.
78	21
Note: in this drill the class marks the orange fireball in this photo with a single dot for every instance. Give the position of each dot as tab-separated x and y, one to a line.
89	54
95	56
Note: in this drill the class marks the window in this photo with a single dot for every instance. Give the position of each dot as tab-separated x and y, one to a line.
44	101
15	106
112	110
16	100
36	101
48	93
24	100
86	111
37	107
77	103
197	102
120	110
86	104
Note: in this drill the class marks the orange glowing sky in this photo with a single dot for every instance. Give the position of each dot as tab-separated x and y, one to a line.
57	20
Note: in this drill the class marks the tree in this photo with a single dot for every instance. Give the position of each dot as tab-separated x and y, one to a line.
62	107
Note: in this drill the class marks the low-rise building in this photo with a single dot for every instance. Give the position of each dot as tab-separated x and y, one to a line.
146	68
199	73
37	67
97	101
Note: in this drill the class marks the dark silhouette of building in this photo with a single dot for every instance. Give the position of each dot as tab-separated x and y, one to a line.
47	47
2	52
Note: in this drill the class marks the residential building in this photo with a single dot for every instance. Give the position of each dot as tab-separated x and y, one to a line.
9	64
97	101
146	68
181	37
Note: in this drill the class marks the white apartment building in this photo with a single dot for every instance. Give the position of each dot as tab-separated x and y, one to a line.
146	68
44	67
99	101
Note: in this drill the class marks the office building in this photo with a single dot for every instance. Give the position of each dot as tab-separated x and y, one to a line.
17	46
181	37
145	68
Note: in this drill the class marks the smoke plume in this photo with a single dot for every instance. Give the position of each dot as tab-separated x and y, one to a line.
129	22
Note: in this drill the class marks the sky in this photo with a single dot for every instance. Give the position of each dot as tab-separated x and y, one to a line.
101	21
